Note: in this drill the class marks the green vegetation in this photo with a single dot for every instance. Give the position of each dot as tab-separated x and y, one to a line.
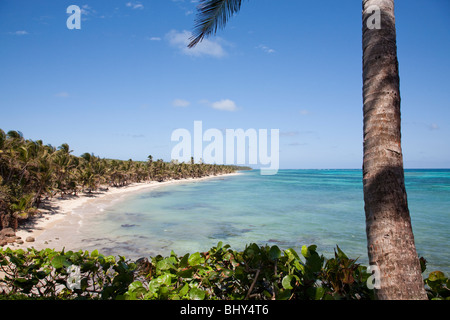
257	272
31	171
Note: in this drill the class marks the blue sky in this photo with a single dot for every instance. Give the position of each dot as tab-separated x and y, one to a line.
120	85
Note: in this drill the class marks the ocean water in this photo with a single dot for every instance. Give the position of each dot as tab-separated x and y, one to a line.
289	209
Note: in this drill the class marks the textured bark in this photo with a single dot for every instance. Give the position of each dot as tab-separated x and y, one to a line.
390	239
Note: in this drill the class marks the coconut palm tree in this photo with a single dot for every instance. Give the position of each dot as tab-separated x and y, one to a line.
64	165
390	239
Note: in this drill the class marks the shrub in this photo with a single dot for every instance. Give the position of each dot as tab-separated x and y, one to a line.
64	275
257	272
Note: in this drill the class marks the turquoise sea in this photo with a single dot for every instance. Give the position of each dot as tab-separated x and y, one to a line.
289	209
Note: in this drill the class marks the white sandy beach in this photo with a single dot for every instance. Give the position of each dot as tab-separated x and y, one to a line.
44	226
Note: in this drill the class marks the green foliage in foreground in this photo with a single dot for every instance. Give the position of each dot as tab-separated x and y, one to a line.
257	272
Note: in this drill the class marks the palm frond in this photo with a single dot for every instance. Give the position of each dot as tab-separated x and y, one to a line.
212	15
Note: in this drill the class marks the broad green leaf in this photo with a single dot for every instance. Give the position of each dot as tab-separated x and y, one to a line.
320	293
197	294
183	291
186	274
341	254
165	279
184	261
292	254
436	275
165	264
314	262
286	282
195	259
240	273
110	259
305	251
316	293
252	250
227	256
274	253
17	261
283	295
59	262
135	285
163	292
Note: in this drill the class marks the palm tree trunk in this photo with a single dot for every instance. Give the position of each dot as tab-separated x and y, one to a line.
390	239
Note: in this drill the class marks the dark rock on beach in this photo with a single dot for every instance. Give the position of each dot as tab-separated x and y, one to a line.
7	235
7	232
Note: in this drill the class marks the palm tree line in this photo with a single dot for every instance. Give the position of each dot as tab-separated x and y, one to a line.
31	171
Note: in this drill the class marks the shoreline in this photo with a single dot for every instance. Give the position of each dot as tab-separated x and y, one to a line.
55	211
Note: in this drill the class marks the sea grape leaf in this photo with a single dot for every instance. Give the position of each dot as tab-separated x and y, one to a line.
286	282
59	262
183	291
195	259
274	253
197	294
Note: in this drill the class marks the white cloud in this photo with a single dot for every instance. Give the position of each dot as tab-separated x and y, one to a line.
19	33
225	105
180	103
86	10
207	47
154	38
135	5
266	49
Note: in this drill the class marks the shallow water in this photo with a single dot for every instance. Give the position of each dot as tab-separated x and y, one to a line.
290	209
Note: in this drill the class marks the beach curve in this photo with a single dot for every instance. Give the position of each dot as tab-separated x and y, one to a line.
44	228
